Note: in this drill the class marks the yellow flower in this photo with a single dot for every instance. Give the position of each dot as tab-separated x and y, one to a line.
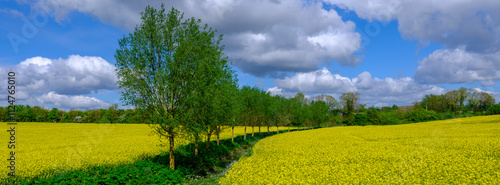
458	151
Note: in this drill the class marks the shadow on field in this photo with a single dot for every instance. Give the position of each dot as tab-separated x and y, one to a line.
215	160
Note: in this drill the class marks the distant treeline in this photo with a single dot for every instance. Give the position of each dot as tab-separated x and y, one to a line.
454	104
25	113
261	109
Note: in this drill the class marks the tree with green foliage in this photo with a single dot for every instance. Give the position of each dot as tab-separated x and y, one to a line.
269	109
333	104
374	116
211	101
247	105
361	119
395	107
484	100
112	114
307	113
452	100
160	67
433	102
53	115
319	112
284	111
29	115
3	114
298	110
40	114
422	115
350	101
462	96
494	109
238	111
227	106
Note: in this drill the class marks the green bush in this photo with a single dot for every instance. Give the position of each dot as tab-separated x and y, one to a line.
348	119
360	119
422	115
448	115
390	118
374	116
495	109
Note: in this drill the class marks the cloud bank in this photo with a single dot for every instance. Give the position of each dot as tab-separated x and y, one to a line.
459	66
374	91
269	38
468	30
63	81
263	38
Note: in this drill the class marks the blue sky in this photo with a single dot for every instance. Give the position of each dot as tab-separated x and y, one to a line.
391	52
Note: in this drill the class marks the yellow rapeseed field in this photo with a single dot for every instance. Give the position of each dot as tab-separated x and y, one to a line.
47	146
458	151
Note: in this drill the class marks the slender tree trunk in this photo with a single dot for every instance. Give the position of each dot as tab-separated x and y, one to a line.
245	134
267	129
171	142
252	131
232	133
218	141
259	129
217	132
196	147
208	141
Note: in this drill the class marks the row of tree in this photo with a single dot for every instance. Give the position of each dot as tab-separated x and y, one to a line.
457	103
26	113
254	108
174	70
460	100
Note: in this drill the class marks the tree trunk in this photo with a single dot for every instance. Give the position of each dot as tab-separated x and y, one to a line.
218	142
259	129
232	133
196	147
245	134
267	129
172	158
277	129
252	131
208	141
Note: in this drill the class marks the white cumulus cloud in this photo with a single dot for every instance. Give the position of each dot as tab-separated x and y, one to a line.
459	66
468	30
42	80
262	37
71	102
449	22
374	91
73	75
